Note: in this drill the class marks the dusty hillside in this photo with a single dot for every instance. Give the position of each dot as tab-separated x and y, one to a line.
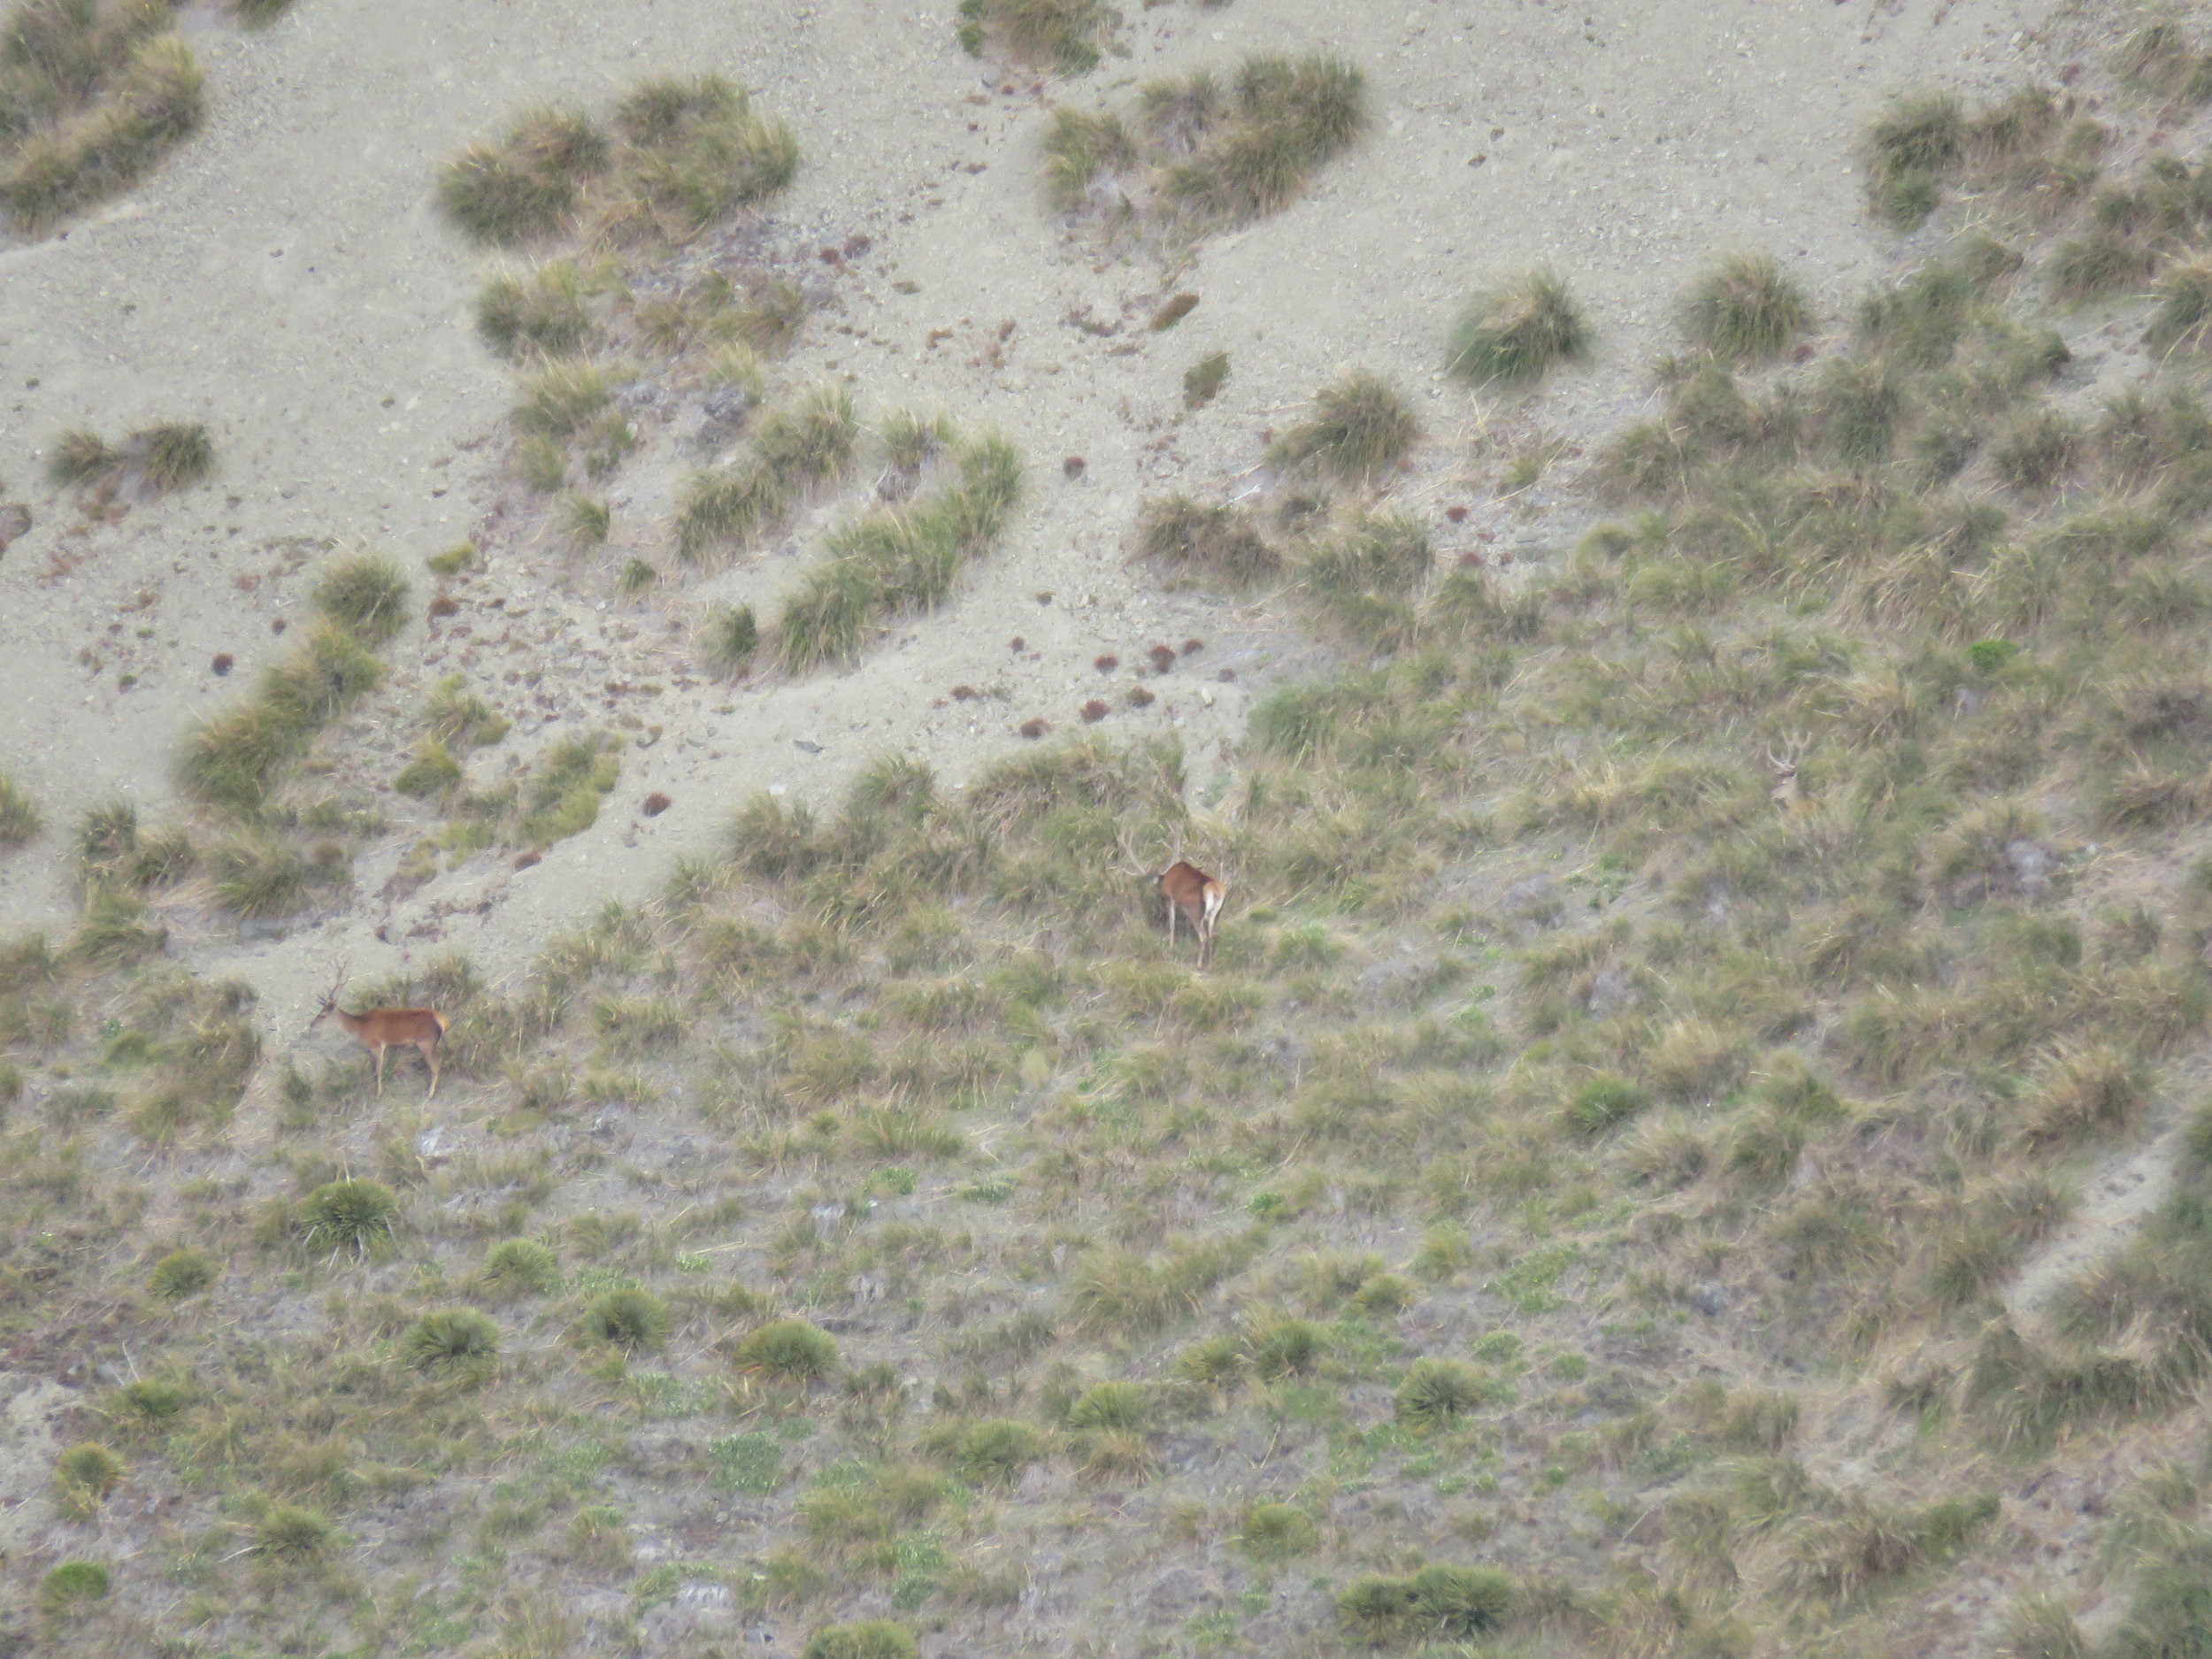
1690	1145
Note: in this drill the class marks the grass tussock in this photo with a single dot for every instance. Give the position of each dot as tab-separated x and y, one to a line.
1518	331
158	459
683	155
1220	544
796	448
1360	430
1067	35
1747	310
1201	152
92	96
896	561
19	818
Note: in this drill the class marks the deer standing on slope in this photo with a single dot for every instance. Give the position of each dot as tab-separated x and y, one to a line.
1192	892
377	1029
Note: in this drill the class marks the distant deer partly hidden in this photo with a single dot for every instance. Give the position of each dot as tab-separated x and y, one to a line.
377	1029
1190	891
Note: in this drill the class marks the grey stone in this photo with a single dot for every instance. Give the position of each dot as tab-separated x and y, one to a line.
1710	1300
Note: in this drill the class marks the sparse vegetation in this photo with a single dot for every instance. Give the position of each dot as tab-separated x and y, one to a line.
796	448
1067	35
20	817
896	560
682	156
92	96
1673	989
167	455
1202	151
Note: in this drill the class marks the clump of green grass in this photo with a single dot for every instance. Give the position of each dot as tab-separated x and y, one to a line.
1069	36
893	561
1747	310
1436	1393
295	1533
525	186
584	521
522	1267
349	1217
432	772
257	876
451	1337
1518	331
2184	308
84	1476
1360	431
1910	145
1203	381
685	155
788	1351
73	1583
365	594
543	312
870	1638
2100	263
796	447
562	795
634	1319
20	817
1219	543
94	96
729	638
454	715
2160	57
1201	154
1271	1531
1435	1600
183	1273
167	455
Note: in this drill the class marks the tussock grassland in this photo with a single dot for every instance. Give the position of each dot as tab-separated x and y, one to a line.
1666	993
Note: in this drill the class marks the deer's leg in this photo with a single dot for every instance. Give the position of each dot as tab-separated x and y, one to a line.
1172	908
430	1055
379	1070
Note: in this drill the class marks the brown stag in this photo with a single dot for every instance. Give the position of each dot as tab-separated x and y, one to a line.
1191	893
379	1029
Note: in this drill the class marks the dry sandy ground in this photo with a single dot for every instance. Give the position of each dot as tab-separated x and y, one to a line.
285	279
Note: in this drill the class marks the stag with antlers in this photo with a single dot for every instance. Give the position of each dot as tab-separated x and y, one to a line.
379	1029
1787	793
1189	892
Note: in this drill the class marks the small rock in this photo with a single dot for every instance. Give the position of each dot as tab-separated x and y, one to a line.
523	861
1072	467
221	665
807	743
259	928
1710	1300
15	524
1095	711
1035	728
2032	863
432	1146
656	804
1611	989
